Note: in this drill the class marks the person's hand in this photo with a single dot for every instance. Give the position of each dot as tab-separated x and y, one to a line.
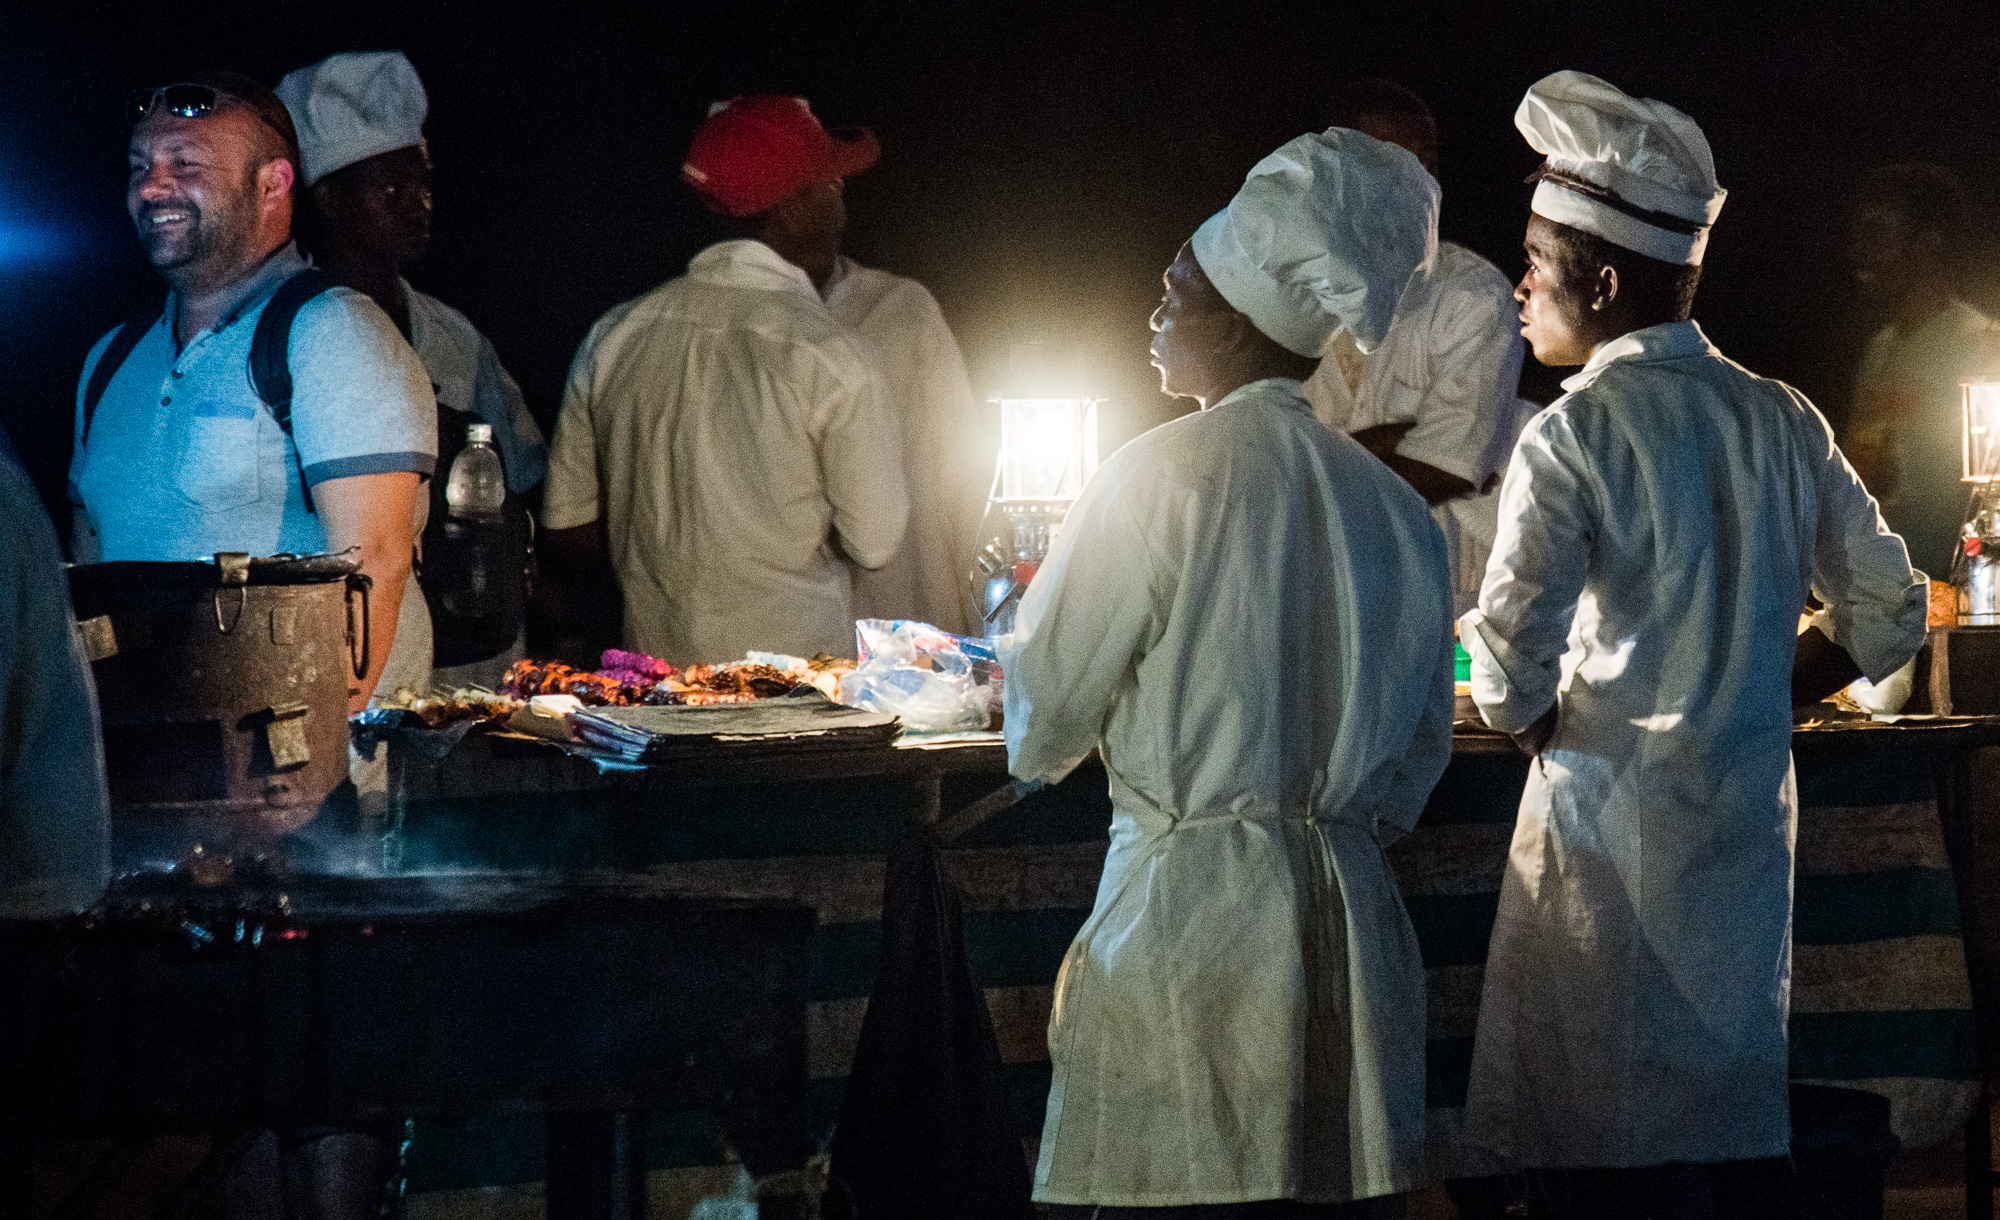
1533	739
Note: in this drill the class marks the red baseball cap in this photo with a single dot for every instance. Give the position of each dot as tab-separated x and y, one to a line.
752	153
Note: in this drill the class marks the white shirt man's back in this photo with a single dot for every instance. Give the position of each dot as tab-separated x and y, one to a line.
735	441
944	462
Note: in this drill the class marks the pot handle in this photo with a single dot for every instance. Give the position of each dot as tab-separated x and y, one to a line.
359	660
232	572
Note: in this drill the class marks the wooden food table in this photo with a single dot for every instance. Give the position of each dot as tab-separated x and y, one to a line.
1881	998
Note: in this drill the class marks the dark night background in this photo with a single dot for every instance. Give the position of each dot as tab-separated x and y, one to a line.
1042	161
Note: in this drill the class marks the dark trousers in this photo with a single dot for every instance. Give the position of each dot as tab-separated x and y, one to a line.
1387	1207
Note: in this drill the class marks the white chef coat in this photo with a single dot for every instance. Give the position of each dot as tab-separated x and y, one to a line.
735	438
1245	614
471	384
923	375
1451	364
1660	526
55	816
469	380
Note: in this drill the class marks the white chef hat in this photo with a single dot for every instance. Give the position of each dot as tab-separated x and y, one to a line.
352	107
1324	233
1634	171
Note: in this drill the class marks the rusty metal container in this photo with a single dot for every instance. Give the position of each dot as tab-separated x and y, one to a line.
224	685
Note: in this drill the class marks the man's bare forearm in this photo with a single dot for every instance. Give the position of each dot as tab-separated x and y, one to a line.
389	580
377	513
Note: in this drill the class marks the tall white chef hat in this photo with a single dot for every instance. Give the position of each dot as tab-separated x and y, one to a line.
355	106
1325	233
1634	171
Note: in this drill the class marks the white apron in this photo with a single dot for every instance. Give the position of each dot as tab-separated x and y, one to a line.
1659	529
1247	615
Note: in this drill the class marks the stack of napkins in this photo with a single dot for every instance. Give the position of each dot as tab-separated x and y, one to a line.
803	722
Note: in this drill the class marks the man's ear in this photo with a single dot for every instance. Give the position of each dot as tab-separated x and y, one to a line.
274	182
1241	336
1605	290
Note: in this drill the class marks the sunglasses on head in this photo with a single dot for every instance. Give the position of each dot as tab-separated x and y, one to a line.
201	101
187	101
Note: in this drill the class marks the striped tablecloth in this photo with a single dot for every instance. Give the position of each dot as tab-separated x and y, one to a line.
1880	997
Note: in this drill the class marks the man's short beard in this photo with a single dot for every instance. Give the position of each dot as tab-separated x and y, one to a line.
212	235
202	242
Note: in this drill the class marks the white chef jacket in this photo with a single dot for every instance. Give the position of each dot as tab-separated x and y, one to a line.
1246	615
469	380
55	815
471	384
923	375
1451	364
1660	526
735	438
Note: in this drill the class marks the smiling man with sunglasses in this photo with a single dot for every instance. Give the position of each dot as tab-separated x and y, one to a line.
179	454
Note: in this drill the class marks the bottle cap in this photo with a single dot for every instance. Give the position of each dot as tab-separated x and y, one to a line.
478	434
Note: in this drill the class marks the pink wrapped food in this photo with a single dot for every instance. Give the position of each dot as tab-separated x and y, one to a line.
633	668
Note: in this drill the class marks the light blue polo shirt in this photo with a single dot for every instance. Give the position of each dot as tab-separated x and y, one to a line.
184	460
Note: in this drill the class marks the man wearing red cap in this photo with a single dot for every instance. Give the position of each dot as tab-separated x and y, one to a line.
723	437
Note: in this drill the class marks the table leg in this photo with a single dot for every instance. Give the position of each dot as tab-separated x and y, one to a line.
927	798
596	1166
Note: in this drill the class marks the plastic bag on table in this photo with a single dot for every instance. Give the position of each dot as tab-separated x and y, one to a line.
934	680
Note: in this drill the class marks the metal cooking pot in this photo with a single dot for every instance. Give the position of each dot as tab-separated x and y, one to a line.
224	685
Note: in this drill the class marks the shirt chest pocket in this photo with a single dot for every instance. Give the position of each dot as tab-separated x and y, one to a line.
220	467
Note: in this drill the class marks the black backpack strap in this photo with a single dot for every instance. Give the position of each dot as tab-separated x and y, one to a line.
270	354
123	340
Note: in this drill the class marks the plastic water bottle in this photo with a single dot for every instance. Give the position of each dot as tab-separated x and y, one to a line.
477	487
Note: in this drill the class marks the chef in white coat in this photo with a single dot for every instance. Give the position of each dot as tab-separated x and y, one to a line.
367	168
1247	616
1436	400
1661	527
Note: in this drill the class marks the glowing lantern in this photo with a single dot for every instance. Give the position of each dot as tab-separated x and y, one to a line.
1048	451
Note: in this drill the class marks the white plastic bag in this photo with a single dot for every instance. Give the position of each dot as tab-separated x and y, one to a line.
1887	697
934	680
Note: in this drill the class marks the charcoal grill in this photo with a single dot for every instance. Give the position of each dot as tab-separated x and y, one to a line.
223	686
331	1001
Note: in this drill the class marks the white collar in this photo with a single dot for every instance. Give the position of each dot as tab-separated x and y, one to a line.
1286	387
1667	341
748	263
843	267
